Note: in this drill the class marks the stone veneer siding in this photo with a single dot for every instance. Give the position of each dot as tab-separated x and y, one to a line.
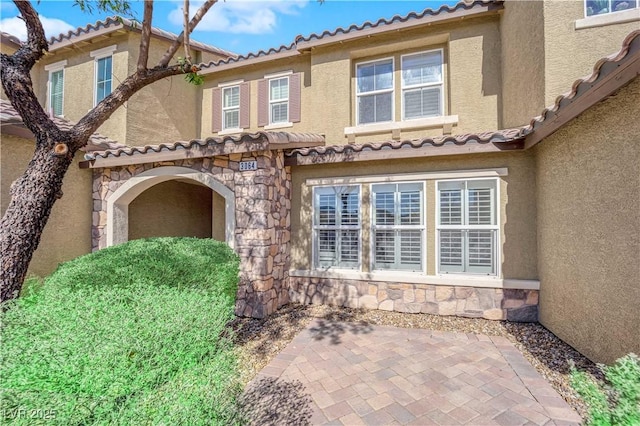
474	302
262	207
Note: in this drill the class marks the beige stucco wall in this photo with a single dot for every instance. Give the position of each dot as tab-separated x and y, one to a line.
165	111
523	60
588	201
517	210
171	209
68	232
251	74
472	79
571	53
79	84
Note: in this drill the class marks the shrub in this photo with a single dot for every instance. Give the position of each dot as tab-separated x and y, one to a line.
131	334
616	400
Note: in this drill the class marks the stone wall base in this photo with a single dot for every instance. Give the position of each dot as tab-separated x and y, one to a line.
474	302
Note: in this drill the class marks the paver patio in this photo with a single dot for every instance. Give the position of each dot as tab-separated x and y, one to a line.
365	374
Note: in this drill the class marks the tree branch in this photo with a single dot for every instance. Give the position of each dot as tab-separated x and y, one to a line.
101	112
36	44
145	38
166	58
185	11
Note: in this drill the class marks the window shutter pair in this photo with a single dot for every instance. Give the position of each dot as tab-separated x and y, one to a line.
295	86
216	125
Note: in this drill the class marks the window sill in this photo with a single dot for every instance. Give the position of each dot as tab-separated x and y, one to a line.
230	132
612	18
419	123
417	278
278	126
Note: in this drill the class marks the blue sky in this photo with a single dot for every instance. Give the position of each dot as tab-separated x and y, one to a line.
238	25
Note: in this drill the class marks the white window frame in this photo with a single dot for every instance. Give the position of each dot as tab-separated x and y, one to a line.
98	54
224	109
338	227
279	101
584	4
377	92
422	227
53	68
495	227
424	85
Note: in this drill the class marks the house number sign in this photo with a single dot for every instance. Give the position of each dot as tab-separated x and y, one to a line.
248	165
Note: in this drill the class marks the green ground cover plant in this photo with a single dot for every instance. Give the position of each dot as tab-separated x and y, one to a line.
132	334
614	400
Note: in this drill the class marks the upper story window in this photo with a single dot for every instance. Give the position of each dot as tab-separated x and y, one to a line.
230	107
103	72
55	88
398	226
422	85
336	226
467	226
103	78
279	100
374	91
601	7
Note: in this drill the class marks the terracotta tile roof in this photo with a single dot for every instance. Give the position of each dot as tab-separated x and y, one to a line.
114	23
9	39
220	145
501	136
630	51
10	117
382	24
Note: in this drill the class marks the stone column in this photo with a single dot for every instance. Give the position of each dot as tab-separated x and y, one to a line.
263	233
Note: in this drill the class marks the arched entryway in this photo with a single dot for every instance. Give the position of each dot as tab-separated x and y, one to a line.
117	227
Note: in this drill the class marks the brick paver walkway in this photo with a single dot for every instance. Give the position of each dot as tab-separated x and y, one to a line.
362	374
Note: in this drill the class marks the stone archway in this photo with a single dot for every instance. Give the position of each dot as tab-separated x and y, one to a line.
117	224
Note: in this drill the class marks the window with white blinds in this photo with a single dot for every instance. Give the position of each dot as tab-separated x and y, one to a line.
374	91
231	107
336	226
279	100
398	226
467	226
56	92
422	85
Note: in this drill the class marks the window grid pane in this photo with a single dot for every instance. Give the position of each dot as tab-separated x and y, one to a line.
337	226
103	78
232	119
231	97
57	92
469	207
398	240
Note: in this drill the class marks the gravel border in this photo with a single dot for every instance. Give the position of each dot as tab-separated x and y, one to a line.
259	341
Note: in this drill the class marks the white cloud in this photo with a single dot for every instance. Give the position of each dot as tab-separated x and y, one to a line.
52	26
241	16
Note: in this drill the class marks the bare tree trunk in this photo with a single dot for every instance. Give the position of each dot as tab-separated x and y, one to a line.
33	195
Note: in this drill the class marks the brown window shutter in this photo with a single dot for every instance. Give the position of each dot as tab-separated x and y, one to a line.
216	110
245	104
263	103
295	97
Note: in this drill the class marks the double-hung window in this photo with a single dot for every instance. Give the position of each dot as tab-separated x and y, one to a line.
103	78
422	85
55	86
374	91
103	72
601	7
231	107
398	226
467	226
279	100
336	226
